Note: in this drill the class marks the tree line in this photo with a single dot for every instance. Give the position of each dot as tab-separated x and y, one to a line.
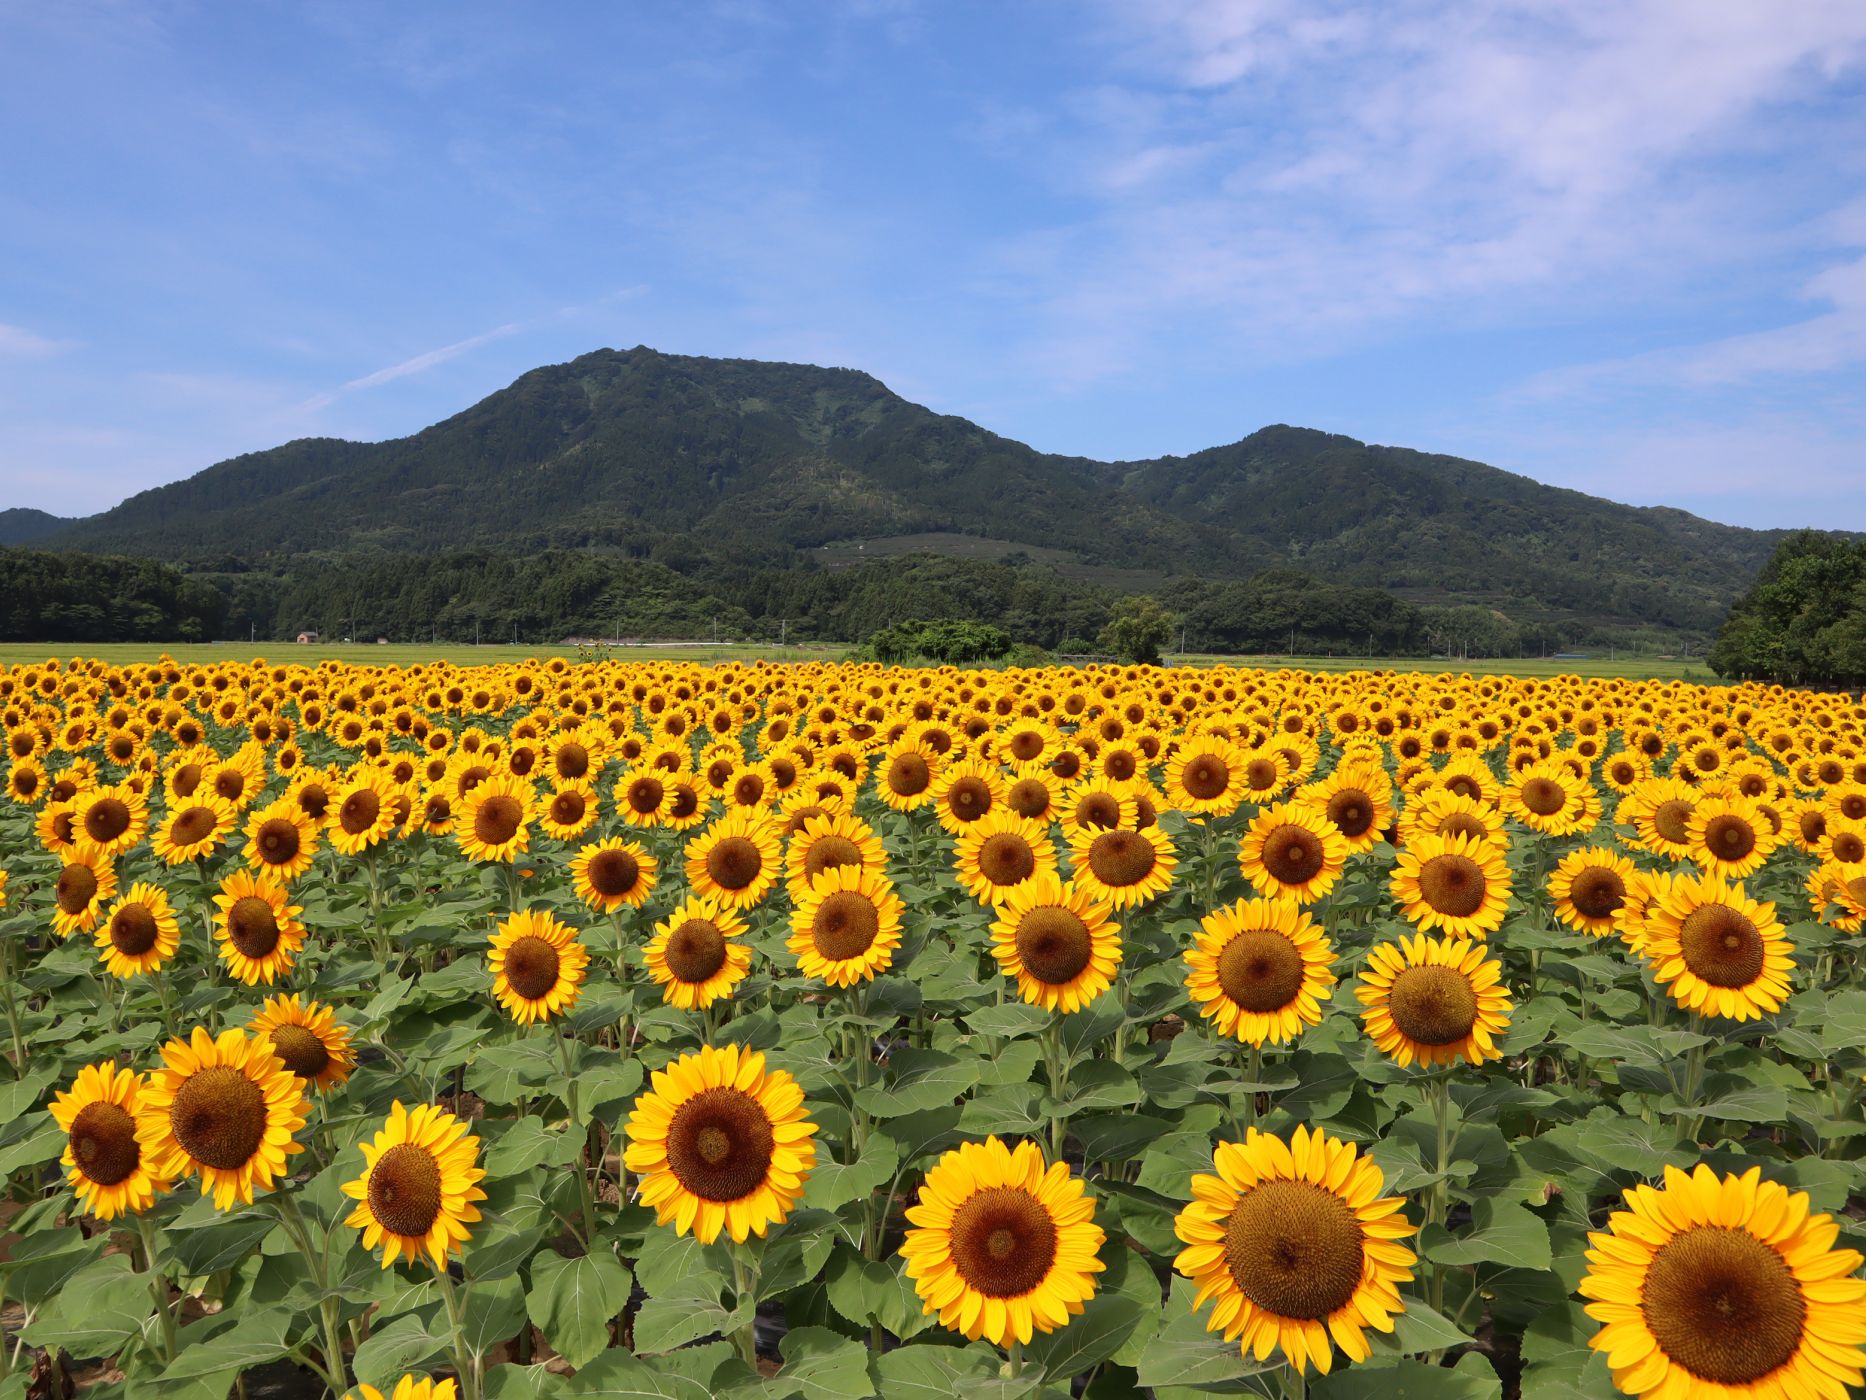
1803	622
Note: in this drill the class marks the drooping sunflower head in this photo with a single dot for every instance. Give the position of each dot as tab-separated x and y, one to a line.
419	1186
1125	866
258	932
1434	1001
1727	1286
1000	853
1455	883
308	1040
846	925
493	818
721	1143
1001	1245
698	954
140	934
537	964
103	1159
1717	951
87	878
1292	851
1260	970
224	1109
614	873
1296	1244
736	859
1059	942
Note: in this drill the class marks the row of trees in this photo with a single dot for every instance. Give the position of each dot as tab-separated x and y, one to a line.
94	598
1804	620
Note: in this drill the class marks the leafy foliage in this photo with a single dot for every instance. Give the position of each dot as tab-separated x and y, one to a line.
1803	622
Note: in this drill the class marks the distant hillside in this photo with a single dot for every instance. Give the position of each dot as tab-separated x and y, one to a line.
23	526
680	458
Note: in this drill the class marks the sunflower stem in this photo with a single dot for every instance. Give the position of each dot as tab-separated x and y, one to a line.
745	1271
1016	1358
328	1307
1053	1059
466	1362
585	1200
158	1287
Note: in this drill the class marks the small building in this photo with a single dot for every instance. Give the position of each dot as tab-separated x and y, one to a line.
306	639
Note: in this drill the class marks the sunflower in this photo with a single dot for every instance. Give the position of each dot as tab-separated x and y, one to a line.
537	966
686	805
55	828
907	775
1730	836
362	813
26	782
613	874
1291	850
103	1158
1469	776
1357	800
846	925
1002	1246
1659	811
307	1039
1726	1287
735	859
281	840
1124	866
1059	942
1093	804
1717	951
1589	888
410	1387
1265	773
642	796
194	827
258	929
1205	777
569	811
141	933
113	819
826	841
492	818
1548	798
698	954
1001	852
965	793
87	878
720	1143
1260	970
1455	883
224	1109
1434	1001
1298	1246
419	1184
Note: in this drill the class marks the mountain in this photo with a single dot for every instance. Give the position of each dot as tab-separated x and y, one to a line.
23	526
683	458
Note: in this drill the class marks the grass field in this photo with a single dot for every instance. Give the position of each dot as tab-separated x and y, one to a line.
466	654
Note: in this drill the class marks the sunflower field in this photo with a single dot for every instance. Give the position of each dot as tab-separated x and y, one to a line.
830	1031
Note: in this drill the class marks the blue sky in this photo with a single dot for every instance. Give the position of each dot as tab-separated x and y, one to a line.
1618	245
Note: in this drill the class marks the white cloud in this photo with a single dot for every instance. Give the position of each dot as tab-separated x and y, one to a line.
17	340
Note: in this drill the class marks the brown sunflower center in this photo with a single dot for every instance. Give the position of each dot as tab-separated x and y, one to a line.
1721	945
1260	970
568	807
1853	806
1463	824
719	1144
685	802
405	1190
748	789
252	926
230	783
1025	745
531	966
1260	774
846	925
1121	857
1053	944
278	841
1453	884
969	798
187	779
613	872
828	852
1544	796
1464	786
191	825
107	819
908	775
734	862
1728	837
76	888
300	1050
498	819
1723	1305
1206	777
1005	858
359	811
1849	848
1028	797
695	950
1597	892
1352	811
573	761
1294	1249
1671	820
1293	854
219	1117
1433	1005
103	1143
1003	1241
645	794
133	930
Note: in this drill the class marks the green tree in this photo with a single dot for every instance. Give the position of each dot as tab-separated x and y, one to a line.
1138	630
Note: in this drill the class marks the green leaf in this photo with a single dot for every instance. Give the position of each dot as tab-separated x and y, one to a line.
919	1080
219	1246
252	1341
936	1372
573	1300
98	1309
400	1345
1098	1084
527	1144
825	1366
1105	1323
1012	1018
615	1375
1502	1232
492	1313
1471	1379
868	1291
1184	1353
834	1184
42	1263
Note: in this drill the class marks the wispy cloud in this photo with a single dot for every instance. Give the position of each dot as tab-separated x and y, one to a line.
414	364
17	340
